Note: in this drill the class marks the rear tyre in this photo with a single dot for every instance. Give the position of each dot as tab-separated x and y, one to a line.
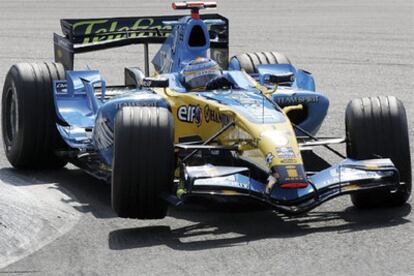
30	136
249	61
143	163
377	128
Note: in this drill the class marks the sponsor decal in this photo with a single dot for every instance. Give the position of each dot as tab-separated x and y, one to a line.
269	157
121	105
61	87
292	172
295	100
123	28
190	114
289	161
180	32
343	174
215	116
285	153
97	26
177	37
289	173
231	181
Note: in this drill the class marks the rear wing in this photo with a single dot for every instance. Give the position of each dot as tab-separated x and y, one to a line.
87	35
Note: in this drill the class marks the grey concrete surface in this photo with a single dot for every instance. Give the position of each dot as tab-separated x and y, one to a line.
354	48
33	214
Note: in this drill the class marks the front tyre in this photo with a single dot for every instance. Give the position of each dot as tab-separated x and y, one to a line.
376	127
30	136
143	164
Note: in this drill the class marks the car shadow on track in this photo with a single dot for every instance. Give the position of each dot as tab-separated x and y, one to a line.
221	226
205	224
92	195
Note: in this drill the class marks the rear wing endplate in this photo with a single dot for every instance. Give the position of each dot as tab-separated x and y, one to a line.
87	35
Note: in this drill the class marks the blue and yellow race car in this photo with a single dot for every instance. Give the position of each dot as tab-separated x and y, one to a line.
202	124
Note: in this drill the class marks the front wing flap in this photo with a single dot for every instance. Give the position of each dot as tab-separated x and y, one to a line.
348	176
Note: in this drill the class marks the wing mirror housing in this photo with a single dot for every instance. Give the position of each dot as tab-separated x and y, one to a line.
155	82
135	77
278	78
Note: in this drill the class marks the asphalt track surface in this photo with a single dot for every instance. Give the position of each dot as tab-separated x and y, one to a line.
54	223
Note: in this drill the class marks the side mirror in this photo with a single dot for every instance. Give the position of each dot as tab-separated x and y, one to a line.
155	82
278	79
133	76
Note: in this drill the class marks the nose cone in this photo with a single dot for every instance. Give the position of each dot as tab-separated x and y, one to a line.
290	183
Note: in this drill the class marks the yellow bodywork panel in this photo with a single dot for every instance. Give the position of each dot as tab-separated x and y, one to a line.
268	144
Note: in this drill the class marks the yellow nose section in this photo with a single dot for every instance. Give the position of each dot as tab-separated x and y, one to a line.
279	146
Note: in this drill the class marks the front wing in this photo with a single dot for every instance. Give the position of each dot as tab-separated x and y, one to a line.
348	176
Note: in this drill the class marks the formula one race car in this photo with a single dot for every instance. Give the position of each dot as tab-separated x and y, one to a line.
201	125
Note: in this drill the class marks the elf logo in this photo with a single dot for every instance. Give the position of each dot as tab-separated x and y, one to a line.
190	114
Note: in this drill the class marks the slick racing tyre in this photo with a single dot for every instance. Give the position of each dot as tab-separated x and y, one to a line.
30	136
377	128
143	163
249	61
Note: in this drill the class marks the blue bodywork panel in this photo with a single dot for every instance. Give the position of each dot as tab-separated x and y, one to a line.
300	91
177	50
77	106
75	100
86	120
316	105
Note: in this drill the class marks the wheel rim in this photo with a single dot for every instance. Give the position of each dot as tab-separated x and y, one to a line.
11	120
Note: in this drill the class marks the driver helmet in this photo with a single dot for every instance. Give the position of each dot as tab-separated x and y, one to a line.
198	72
